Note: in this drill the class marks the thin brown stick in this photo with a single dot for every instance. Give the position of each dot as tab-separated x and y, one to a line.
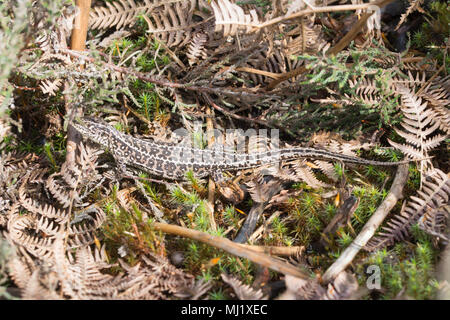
233	248
291	74
349	36
78	42
79	32
276	251
164	82
395	193
261	72
345	7
211	185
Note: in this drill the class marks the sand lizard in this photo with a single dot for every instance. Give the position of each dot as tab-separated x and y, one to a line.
173	161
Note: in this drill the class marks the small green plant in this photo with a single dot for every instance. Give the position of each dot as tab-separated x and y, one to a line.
217	295
5	253
344	239
309	215
407	270
129	231
48	152
231	217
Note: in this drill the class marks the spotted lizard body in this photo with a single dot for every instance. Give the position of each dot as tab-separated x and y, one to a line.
173	161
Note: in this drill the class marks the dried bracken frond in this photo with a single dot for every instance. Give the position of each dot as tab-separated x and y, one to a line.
169	21
50	87
14	166
35	221
195	291
299	170
343	287
231	18
442	116
327	168
410	81
20	269
297	5
305	173
335	143
428	207
434	222
120	13
368	90
414	5
56	38
275	62
51	42
81	277
37	226
424	65
437	94
259	191
243	291
172	23
419	126
41	285
196	50
306	38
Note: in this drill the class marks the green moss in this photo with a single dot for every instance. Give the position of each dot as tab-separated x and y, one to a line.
407	269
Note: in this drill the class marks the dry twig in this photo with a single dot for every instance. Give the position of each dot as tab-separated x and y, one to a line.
78	42
233	248
395	193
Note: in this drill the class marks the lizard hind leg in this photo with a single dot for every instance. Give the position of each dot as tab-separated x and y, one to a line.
230	190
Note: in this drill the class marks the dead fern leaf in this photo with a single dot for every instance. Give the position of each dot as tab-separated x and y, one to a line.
243	291
172	22
306	38
196	50
169	21
50	86
414	5
119	13
305	173
231	18
427	205
418	127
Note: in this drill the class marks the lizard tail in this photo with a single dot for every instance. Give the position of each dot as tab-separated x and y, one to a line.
295	153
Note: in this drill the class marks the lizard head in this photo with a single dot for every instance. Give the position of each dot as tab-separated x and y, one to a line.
94	129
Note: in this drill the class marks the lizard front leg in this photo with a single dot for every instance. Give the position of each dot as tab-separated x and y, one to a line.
122	171
218	178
